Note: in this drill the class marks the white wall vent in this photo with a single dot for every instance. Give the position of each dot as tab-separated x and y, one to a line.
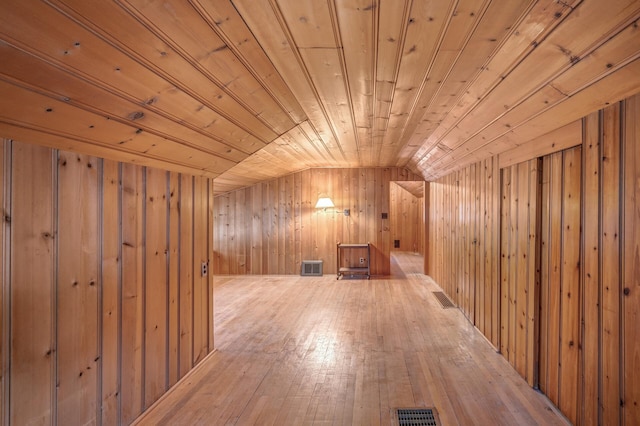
312	268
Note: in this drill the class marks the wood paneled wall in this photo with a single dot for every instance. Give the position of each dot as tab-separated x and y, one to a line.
519	266
406	215
560	285
103	304
463	242
270	227
569	274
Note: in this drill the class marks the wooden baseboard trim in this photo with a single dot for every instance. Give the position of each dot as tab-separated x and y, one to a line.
187	376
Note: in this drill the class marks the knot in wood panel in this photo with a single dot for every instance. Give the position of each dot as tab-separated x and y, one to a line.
137	115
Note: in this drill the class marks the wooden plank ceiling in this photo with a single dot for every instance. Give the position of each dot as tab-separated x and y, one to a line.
247	90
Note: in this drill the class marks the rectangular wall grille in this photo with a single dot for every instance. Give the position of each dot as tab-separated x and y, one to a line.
444	300
312	268
416	416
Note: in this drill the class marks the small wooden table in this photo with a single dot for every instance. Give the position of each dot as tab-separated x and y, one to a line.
351	270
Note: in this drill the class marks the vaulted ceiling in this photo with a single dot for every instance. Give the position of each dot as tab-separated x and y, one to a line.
248	90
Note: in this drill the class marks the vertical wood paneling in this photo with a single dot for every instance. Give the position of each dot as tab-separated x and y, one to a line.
522	269
281	225
308	222
156	287
205	298
174	278
187	272
555	282
456	232
77	288
463	248
5	232
235	234
494	256
519	266
570	284
591	268
297	222
533	276
32	357
371	230
111	327
505	257
631	263
560	298
511	282
569	247
385	240
610	264
472	242
112	297
427	232
545	320
200	281
405	218
481	291
270	232
210	235
132	291
277	223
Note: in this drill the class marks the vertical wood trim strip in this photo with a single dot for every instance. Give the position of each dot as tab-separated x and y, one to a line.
535	216
5	252
210	283
132	291
111	272
590	269
186	274
173	265
544	278
100	289
555	267
570	307
496	223
505	195
32	231
521	261
631	266
611	264
512	286
428	234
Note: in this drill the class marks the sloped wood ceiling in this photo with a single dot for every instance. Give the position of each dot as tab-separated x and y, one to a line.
247	90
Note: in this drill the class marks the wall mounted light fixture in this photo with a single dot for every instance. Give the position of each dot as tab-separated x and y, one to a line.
326	203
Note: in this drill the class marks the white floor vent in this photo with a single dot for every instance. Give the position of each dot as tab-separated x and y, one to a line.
312	268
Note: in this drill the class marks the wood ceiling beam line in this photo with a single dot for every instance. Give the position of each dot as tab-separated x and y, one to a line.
309	124
483	83
421	87
292	106
424	34
293	49
161	34
347	87
68	142
379	116
566	56
615	50
403	160
609	89
223	104
223	151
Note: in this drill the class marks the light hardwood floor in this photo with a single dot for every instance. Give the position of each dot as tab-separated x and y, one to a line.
312	350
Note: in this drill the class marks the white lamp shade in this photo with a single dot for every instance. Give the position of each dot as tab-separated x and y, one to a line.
324	202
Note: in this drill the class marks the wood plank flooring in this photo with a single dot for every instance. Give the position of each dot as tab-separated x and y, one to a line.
313	350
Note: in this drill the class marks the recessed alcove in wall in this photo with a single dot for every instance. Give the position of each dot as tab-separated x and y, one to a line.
406	216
